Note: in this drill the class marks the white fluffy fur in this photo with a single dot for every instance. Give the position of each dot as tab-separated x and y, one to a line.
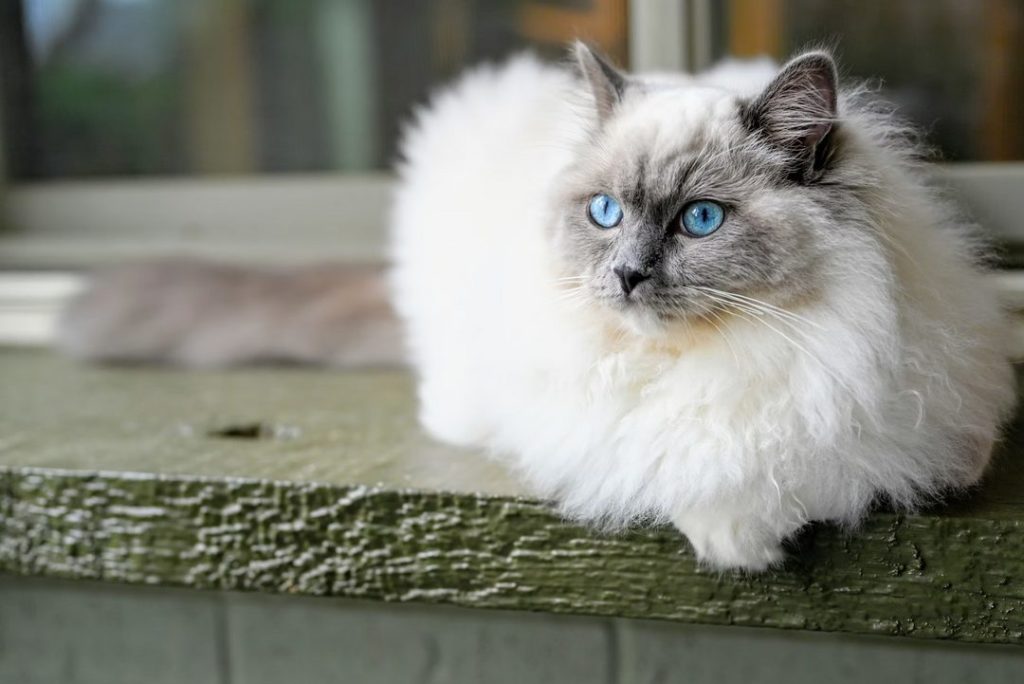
892	384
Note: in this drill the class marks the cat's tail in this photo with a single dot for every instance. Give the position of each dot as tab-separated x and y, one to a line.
194	313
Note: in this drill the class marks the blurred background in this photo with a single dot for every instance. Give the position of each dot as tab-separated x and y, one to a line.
126	88
182	87
263	130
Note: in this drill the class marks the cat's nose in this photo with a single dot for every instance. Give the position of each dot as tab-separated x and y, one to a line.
629	278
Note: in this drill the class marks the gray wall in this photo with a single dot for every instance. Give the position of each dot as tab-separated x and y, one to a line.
78	632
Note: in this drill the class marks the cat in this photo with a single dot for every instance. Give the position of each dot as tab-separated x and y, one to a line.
729	305
728	301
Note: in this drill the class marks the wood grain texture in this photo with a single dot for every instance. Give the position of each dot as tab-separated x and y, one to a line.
99	480
924	576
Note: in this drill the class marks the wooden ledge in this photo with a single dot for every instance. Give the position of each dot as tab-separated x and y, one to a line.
315	482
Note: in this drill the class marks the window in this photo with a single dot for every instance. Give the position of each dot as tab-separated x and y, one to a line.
956	69
263	129
113	88
239	129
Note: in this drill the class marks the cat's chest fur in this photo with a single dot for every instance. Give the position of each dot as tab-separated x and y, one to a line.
591	403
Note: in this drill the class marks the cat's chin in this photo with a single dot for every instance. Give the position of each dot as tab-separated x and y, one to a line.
644	322
665	329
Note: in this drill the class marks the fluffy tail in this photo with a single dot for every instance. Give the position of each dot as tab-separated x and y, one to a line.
193	313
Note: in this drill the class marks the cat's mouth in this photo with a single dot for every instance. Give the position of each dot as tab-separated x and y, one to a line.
652	306
644	306
649	307
663	319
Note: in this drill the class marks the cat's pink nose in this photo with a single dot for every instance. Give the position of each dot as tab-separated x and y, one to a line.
629	278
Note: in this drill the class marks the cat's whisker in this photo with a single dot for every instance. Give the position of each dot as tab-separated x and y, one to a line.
779	311
783	315
721	331
758	314
575	297
737	305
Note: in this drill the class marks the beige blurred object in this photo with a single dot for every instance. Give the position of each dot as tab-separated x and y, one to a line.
202	314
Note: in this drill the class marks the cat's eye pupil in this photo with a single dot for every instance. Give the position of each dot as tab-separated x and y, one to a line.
604	211
702	218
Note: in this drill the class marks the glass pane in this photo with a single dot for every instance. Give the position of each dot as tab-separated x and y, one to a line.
955	68
124	87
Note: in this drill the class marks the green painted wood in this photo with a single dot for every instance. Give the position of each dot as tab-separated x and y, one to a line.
293	423
340	495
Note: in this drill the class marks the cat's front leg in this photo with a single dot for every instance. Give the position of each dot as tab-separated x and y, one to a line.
728	539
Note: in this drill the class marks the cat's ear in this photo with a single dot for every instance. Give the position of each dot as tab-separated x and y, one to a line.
607	84
797	110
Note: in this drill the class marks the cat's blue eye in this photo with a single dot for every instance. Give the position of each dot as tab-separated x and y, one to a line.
702	218
604	211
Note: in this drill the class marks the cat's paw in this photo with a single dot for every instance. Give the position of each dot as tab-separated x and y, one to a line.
731	542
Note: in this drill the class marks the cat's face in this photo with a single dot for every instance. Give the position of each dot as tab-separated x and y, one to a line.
689	197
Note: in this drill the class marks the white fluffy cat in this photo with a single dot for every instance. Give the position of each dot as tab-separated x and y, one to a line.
724	301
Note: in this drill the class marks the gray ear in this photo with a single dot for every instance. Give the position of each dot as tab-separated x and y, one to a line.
797	109
607	84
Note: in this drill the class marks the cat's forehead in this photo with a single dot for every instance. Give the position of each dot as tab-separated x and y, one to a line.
667	119
649	147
